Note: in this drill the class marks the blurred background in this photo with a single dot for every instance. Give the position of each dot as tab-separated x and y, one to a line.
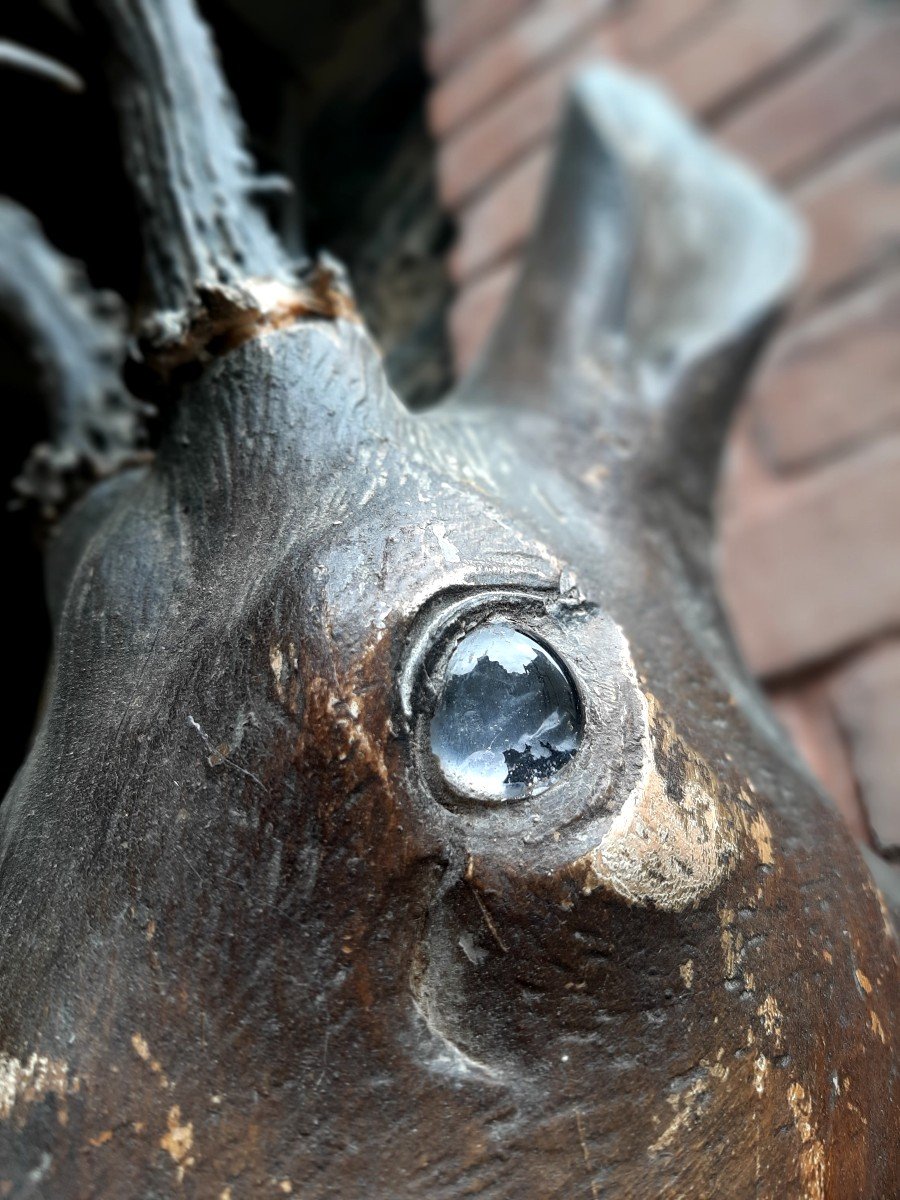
417	135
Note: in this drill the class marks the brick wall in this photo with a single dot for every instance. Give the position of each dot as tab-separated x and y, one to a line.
809	91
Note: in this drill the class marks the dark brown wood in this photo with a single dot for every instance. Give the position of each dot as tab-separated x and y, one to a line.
250	945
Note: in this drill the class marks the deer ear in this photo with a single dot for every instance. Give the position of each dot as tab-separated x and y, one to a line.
654	241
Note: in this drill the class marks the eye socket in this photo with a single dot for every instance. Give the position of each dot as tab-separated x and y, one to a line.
508	717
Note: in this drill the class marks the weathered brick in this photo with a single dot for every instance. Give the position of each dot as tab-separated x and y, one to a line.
650	29
853	210
747	40
498	223
796	124
867	697
513	52
466	26
475	313
529	113
807	713
744	472
438	12
811	568
834	380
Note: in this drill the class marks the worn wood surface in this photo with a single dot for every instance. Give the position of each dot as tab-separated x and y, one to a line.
249	945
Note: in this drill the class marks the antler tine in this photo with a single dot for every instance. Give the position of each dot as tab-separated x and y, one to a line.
212	261
21	58
76	336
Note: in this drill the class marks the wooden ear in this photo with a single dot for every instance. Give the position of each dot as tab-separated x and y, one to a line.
654	243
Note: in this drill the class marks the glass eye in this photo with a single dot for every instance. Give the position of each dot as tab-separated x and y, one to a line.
507	718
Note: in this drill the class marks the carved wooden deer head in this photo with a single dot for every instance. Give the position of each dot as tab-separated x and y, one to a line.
401	822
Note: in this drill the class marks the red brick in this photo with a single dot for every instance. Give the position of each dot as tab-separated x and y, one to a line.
466	26
650	29
496	225
811	567
528	114
807	713
744	472
475	313
867	698
439	12
853	210
747	40
834	380
798	123
515	51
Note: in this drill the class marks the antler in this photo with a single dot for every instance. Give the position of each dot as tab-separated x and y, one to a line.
22	58
214	267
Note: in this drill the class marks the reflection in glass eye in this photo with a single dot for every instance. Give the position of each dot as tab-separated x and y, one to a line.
508	717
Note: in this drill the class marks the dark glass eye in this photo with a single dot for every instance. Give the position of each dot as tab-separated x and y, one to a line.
507	718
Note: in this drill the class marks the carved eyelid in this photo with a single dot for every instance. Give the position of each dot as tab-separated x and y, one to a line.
457	610
551	826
